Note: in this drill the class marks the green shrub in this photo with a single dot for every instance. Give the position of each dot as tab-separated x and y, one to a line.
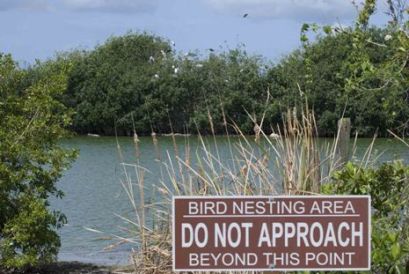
29	232
31	123
388	186
138	81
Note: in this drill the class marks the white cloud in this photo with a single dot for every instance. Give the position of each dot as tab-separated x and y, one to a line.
304	10
111	5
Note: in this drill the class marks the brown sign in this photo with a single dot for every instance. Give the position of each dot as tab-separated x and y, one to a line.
271	233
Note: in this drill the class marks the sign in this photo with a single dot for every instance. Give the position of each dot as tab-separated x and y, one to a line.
264	233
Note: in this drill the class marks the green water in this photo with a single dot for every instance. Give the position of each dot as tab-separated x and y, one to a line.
93	192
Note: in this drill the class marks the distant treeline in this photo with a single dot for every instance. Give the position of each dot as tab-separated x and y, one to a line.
138	82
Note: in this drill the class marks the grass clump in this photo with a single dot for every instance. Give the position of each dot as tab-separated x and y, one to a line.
290	161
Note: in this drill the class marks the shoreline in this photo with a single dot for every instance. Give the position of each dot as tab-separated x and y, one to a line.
71	267
178	135
67	267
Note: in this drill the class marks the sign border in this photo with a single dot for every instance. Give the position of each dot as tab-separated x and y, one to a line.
270	196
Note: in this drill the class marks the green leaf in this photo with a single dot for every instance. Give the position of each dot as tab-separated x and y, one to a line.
395	251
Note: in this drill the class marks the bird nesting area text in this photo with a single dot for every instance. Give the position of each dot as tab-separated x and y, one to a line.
277	232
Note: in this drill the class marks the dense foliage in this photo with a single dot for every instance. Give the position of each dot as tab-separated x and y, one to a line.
388	186
32	121
328	74
137	81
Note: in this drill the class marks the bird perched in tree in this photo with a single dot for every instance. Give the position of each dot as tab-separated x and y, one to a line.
163	53
211	50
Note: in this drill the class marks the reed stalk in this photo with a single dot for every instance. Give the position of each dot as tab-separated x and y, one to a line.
293	162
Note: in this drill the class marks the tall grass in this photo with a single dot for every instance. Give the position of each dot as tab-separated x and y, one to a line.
291	163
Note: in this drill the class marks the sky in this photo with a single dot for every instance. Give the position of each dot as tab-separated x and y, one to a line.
37	29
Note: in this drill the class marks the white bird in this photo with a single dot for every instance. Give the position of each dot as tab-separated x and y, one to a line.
151	59
163	53
388	37
156	76
176	70
173	43
199	65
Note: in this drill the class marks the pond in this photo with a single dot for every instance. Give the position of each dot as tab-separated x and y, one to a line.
94	194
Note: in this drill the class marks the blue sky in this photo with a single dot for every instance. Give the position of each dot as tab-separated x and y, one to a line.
31	29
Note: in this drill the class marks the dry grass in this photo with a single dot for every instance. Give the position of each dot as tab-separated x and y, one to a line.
290	163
